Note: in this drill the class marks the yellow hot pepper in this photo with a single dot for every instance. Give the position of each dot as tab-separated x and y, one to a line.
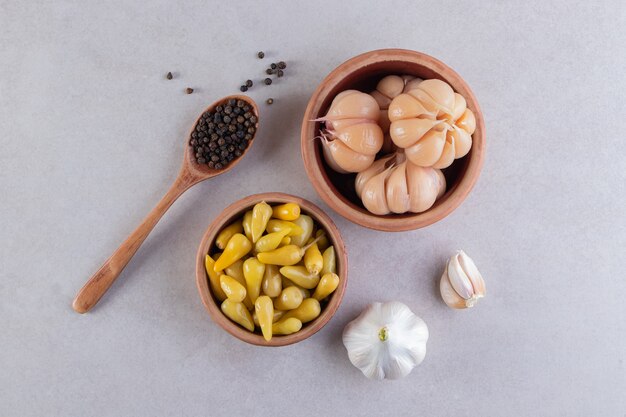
224	236
328	283
214	278
270	241
306	224
278	314
287	326
313	260
329	262
261	214
236	271
285	241
280	225
289	298
272	284
286	255
300	276
307	311
253	272
237	247
246	223
232	288
287	211
264	310
323	242
238	313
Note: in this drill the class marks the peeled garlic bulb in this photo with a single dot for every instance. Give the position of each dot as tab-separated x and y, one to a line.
395	185
352	136
461	284
432	123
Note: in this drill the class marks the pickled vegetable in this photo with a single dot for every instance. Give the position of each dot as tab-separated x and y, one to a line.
237	247
238	313
288	211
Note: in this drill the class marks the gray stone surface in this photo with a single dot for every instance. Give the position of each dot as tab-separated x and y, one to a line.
91	134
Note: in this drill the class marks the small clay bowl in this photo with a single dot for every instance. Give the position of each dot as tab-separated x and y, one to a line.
236	211
363	73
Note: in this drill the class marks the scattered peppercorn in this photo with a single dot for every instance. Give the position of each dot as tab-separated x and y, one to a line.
282	65
189	90
169	76
269	101
220	136
249	83
243	88
279	73
269	71
261	55
273	66
267	81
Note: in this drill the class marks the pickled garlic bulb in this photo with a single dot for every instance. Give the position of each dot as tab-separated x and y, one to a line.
432	124
395	185
386	90
352	137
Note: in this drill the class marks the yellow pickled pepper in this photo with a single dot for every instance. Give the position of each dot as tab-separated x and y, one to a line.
287	211
285	241
246	223
313	260
232	288
289	298
236	271
261	214
224	236
253	272
329	261
306	224
307	311
270	241
272	282
278	314
286	326
237	247
285	255
238	313
328	283
214	278
264	310
300	276
275	225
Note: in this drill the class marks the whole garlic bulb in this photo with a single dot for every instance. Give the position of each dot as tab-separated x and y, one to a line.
461	284
387	89
352	136
386	341
394	185
432	123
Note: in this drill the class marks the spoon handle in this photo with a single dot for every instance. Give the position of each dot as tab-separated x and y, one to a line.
100	282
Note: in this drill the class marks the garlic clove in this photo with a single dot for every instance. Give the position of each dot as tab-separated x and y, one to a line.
391	86
459	106
440	92
407	132
382	100
329	158
364	138
352	104
412	84
462	141
405	106
461	284
364	176
344	157
373	194
341	123
450	297
397	193
447	155
441	184
424	186
467	121
427	150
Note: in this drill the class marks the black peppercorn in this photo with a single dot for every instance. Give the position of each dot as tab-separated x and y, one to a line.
169	76
268	101
189	90
243	88
282	65
269	71
261	55
249	83
273	66
280	73
267	81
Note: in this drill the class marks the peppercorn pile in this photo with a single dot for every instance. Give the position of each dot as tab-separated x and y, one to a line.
223	134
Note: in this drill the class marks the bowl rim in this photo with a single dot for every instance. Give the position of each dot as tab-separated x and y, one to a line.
225	217
454	196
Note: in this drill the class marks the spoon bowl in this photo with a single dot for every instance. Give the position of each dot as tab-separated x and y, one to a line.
191	173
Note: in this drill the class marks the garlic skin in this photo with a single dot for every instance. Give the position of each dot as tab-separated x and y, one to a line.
386	340
461	284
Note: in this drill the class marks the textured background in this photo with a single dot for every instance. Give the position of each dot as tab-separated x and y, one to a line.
91	134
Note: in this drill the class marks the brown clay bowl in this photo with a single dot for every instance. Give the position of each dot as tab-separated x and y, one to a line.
362	73
237	210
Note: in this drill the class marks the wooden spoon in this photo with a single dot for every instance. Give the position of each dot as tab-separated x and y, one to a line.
190	174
